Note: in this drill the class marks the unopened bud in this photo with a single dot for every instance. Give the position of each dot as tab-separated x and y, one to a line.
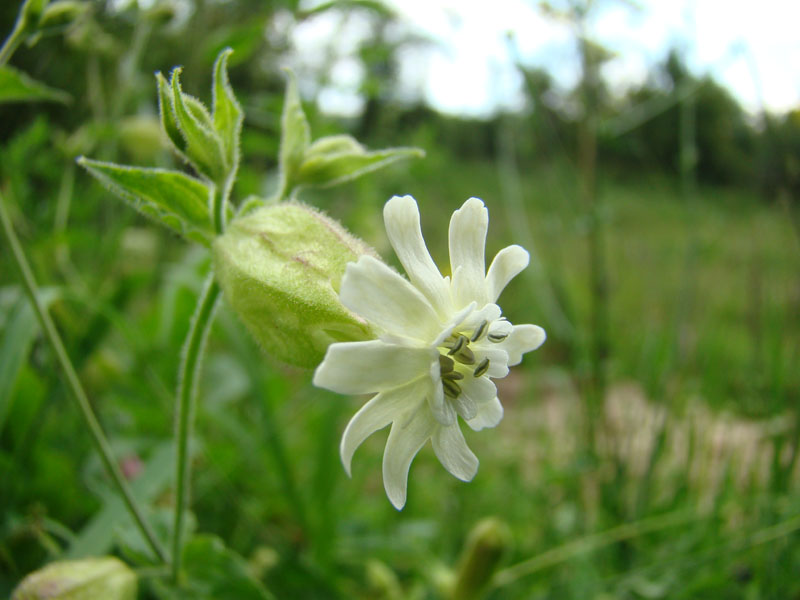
280	268
487	543
89	579
141	137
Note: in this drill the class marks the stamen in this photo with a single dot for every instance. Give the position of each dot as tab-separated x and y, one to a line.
446	364
459	342
497	337
451	388
482	367
465	356
453	376
479	331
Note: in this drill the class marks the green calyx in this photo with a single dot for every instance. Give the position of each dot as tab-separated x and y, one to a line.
88	579
280	268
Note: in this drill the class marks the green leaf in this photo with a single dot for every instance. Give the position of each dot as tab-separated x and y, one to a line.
16	86
213	572
295	134
97	536
174	199
228	114
204	148
169	122
20	330
336	159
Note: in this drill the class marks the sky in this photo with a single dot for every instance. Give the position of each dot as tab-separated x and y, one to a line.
753	48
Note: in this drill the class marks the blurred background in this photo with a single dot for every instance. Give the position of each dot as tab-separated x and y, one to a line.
647	154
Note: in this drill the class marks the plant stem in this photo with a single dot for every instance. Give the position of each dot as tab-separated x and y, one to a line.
591	542
98	437
187	396
14	39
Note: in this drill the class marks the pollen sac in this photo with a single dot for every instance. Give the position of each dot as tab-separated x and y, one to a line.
451	388
482	368
280	268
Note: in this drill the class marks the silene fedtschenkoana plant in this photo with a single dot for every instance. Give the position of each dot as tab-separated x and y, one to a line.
314	295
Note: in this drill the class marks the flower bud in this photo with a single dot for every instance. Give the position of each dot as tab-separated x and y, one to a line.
280	268
62	12
88	579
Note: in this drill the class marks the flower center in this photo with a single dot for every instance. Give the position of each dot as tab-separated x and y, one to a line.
456	357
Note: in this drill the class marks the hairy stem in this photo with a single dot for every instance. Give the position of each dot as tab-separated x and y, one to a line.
98	437
16	36
187	395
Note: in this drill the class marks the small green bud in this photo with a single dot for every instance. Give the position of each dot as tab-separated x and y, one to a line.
486	544
88	579
31	11
383	581
280	268
141	137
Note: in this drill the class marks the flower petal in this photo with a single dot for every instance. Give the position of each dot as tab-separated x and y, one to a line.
452	451
522	339
376	414
465	406
507	264
382	296
442	410
498	359
405	440
401	217
372	366
489	415
467	236
479	389
489	313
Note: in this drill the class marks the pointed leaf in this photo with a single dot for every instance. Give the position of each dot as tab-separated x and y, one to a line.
334	160
176	200
203	145
20	330
228	114
295	133
16	86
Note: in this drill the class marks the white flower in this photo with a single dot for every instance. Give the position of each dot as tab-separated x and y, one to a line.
441	343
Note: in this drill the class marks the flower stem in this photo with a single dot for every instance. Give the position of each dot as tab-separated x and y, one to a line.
14	39
98	437
187	395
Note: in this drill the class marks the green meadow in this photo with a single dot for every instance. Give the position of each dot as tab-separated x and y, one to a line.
649	448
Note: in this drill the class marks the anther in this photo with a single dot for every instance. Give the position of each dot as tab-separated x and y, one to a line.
459	343
479	331
446	364
451	388
453	376
465	356
482	367
497	337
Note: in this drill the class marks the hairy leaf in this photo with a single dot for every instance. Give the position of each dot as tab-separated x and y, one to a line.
174	199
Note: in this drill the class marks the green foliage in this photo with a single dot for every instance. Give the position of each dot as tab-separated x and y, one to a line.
328	161
692	490
336	159
215	573
15	344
